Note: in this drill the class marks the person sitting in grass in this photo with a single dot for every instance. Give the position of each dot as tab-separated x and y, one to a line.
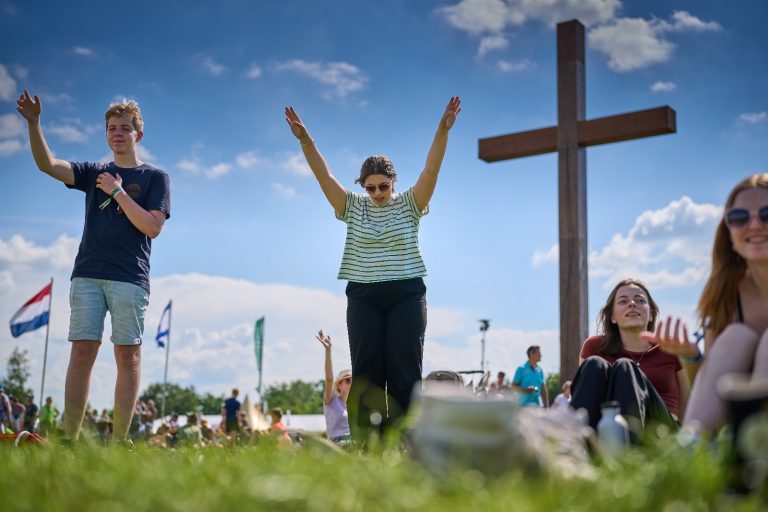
190	434
335	394
277	428
619	364
733	309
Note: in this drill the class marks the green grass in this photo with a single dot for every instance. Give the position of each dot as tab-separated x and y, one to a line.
266	477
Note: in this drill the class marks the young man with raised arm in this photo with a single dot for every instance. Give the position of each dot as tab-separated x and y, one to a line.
126	205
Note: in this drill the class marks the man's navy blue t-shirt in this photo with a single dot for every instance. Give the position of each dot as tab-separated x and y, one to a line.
112	248
231	406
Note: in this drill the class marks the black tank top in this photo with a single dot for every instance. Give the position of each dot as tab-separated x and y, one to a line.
739	312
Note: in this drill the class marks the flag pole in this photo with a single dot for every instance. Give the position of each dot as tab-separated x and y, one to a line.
167	351
261	371
45	352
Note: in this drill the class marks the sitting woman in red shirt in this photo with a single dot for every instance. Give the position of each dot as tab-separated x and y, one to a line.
620	365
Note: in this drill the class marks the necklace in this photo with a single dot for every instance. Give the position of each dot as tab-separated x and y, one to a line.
642	355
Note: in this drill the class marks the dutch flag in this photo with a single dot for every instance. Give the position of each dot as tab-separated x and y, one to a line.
33	314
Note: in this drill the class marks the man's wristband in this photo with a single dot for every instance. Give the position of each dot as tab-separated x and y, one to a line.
693	359
117	190
308	143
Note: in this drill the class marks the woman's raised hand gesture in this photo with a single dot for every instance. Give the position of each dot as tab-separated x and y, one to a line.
297	127
324	340
673	342
450	114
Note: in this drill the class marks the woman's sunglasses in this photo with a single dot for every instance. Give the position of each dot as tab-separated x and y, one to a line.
383	187
739	217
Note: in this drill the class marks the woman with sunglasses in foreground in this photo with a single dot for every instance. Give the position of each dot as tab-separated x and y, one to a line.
386	296
733	308
335	395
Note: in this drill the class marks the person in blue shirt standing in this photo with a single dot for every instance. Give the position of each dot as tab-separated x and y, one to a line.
528	381
126	205
230	409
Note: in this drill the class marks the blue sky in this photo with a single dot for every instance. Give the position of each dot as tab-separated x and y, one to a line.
251	234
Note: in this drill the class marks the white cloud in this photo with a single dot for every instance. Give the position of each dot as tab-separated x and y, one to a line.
19	253
551	255
56	99
12	128
297	164
487	19
663	87
492	42
630	43
634	43
73	131
254	72
144	154
195	166
504	350
11	125
217	170
589	12
340	78
250	160
8	89
10	146
479	16
190	165
83	51
682	21
658	248
283	190
21	72
753	117
514	67
213	67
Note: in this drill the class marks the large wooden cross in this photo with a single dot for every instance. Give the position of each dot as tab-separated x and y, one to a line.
569	138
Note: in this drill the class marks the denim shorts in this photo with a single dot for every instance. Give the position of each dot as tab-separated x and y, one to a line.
89	301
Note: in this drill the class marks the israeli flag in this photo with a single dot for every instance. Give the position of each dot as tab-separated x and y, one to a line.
164	328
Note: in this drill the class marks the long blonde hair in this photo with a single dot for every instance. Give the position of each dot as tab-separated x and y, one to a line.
718	300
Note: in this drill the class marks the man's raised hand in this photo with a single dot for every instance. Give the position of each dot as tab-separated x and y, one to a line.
29	108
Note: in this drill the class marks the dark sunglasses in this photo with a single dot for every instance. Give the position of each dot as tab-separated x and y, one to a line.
348	380
383	187
739	217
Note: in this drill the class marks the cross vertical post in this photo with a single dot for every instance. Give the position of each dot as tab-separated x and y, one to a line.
572	194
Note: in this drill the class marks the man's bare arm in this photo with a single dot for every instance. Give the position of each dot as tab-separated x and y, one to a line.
30	109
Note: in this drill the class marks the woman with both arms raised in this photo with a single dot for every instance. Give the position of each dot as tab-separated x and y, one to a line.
386	296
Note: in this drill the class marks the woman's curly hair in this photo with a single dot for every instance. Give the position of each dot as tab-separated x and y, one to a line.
377	164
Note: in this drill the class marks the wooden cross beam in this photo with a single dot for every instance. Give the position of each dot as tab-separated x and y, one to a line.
570	138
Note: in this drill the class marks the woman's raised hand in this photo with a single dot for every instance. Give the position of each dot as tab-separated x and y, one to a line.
324	339
297	127
450	114
671	341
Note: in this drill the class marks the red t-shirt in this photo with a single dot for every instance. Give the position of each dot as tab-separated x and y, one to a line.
660	368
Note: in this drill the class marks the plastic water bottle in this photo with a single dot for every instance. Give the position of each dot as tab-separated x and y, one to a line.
613	430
